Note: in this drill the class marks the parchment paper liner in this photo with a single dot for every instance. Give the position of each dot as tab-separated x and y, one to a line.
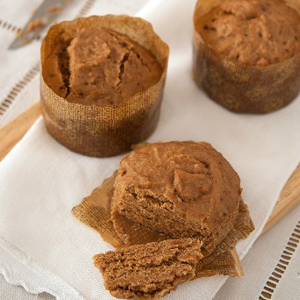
239	87
94	211
109	130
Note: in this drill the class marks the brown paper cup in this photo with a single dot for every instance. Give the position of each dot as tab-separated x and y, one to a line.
95	211
239	87
109	130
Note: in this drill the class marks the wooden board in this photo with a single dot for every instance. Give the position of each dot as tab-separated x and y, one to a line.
12	133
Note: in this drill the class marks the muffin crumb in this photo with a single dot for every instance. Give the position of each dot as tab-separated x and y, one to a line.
149	271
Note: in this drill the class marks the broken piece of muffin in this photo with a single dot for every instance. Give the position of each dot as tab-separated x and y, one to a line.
181	189
149	271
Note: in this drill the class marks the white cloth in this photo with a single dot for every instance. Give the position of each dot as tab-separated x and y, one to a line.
41	180
261	261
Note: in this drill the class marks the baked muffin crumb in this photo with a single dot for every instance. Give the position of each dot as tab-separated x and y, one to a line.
149	271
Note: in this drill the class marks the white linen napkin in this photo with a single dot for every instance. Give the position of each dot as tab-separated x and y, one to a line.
268	254
41	180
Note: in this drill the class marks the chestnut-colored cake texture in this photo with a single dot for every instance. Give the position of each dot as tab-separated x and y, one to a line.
253	32
100	67
149	271
246	53
102	83
181	189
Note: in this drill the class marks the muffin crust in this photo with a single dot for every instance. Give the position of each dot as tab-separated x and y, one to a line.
101	67
253	32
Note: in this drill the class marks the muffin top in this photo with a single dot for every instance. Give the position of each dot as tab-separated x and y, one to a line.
101	67
190	178
253	32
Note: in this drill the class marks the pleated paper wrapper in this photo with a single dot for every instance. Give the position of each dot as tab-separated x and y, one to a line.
238	87
110	130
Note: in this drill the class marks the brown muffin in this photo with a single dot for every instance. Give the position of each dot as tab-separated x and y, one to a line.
246	54
149	271
101	67
102	83
181	189
253	32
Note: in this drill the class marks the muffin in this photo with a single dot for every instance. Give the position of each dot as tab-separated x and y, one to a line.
102	83
149	271
248	52
180	189
174	212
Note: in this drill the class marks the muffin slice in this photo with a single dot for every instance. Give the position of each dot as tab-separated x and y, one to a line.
149	271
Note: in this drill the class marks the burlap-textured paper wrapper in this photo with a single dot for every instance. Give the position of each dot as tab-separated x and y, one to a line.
95	209
239	87
110	130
